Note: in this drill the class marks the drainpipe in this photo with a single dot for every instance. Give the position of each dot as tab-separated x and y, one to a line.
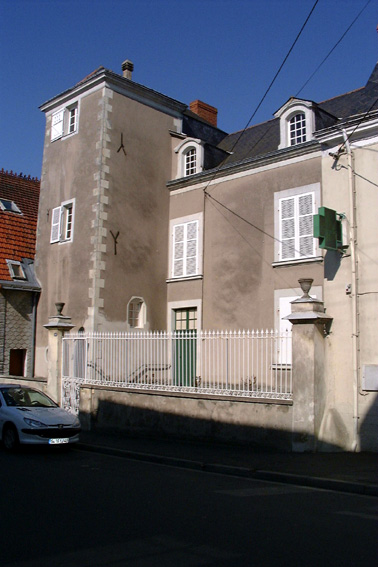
354	294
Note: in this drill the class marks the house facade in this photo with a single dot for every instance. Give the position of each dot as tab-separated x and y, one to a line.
152	218
19	289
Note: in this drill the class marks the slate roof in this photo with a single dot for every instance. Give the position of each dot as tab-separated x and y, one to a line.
264	138
18	230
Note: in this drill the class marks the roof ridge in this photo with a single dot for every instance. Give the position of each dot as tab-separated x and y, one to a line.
340	95
12	173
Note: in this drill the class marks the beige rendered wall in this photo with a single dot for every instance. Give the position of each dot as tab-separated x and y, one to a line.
70	166
345	397
115	191
239	279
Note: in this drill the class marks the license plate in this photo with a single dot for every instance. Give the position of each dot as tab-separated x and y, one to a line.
58	441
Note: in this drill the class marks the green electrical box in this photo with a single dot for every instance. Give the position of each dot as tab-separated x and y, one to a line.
328	229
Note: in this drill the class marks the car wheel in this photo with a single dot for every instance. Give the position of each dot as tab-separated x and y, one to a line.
10	437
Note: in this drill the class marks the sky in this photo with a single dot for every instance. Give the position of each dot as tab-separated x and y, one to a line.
223	52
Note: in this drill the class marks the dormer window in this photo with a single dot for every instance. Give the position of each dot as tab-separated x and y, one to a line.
16	270
297	122
190	157
297	129
10	206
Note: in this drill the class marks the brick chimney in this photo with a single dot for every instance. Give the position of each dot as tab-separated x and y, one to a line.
127	69
204	111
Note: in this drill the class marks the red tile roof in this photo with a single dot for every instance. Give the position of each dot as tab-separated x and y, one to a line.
18	231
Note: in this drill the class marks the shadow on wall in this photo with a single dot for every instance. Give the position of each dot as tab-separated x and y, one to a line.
369	428
136	421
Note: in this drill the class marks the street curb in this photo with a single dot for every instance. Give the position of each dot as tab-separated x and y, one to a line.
242	472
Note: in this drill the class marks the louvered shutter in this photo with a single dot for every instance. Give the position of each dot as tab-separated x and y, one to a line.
305	224
178	250
287	228
57	125
55	225
185	249
191	248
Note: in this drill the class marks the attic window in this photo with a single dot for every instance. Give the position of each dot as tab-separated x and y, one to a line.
190	157
9	206
297	129
16	270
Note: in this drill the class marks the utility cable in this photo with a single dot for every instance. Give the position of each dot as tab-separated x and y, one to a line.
334	47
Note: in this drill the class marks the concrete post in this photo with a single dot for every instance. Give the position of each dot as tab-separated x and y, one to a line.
57	326
310	326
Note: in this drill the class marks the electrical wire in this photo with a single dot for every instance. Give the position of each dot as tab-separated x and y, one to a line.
333	48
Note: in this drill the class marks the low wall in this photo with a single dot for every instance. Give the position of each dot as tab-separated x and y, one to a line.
267	423
39	383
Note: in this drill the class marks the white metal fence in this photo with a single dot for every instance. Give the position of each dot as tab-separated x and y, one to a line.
230	363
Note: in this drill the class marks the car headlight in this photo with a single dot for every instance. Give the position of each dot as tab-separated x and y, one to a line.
34	422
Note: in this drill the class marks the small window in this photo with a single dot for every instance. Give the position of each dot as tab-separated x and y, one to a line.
64	122
297	129
72	123
9	206
62	222
16	270
136	313
17	362
191	162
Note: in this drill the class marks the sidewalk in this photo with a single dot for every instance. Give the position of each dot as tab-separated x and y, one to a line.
348	472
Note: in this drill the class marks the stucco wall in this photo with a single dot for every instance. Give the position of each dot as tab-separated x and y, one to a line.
238	276
261	424
344	394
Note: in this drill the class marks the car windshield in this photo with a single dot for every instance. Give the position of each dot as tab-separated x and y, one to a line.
26	397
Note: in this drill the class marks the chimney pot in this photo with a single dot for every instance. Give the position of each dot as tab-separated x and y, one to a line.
127	69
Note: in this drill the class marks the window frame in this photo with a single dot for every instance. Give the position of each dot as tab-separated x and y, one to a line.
297	129
296	193
15	263
62	222
62	124
142	313
13	207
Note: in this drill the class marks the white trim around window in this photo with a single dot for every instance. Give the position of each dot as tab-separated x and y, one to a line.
293	224
190	157
16	270
297	114
65	121
185	247
62	222
136	313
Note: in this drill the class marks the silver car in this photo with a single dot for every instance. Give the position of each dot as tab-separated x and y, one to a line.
29	416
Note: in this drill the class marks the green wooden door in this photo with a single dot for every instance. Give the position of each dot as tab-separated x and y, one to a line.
185	346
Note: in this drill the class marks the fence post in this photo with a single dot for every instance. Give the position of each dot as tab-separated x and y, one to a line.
58	325
310	326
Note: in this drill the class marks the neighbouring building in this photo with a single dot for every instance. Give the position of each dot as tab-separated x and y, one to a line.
19	289
153	218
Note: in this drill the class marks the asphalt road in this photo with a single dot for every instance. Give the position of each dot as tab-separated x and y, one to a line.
80	509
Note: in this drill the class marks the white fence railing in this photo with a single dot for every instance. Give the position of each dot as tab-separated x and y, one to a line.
233	363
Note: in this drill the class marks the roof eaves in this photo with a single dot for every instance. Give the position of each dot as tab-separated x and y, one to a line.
251	162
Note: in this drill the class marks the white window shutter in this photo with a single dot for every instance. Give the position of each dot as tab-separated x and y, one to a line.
305	224
178	250
287	228
57	125
191	248
55	225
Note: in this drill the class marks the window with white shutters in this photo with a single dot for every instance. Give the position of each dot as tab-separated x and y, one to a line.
185	249
62	219
64	122
296	227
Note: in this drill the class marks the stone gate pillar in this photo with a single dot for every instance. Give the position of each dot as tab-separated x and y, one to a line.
58	325
310	326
